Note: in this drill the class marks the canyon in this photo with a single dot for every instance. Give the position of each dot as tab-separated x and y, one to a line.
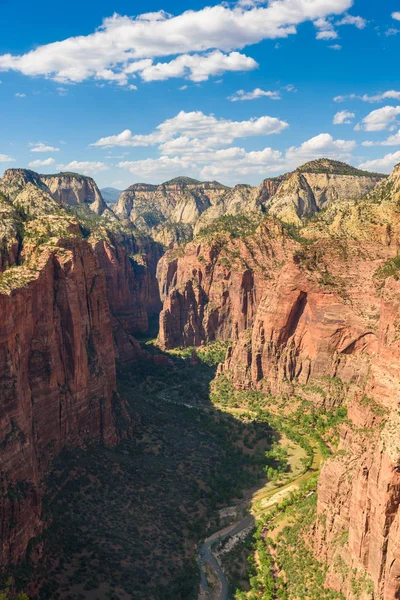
299	277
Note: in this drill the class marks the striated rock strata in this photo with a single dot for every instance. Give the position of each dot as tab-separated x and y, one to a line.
317	310
72	293
57	368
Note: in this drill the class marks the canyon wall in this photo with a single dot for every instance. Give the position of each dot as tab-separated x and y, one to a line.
319	311
173	211
57	380
72	189
71	299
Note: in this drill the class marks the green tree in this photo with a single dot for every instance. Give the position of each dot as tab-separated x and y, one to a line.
7	594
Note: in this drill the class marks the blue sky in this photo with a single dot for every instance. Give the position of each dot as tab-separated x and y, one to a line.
235	92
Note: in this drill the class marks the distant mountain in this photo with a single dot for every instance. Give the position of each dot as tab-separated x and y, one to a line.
175	210
110	194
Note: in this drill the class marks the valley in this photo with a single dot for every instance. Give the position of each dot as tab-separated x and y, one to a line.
199	387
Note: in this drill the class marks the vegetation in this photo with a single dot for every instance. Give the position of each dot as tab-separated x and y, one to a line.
390	268
182	181
6	592
327	165
129	518
238	226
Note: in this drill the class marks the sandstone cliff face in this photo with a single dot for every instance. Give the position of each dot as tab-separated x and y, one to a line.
128	260
72	189
14	181
316	185
154	209
211	290
132	288
240	199
57	360
324	309
172	212
57	379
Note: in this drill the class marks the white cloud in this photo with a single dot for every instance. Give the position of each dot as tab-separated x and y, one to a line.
379	119
256	93
133	88
392	140
384	164
322	145
85	167
197	125
5	158
358	22
41	147
201	158
113	51
396	16
159	167
389	95
343	117
198	67
42	163
325	29
336	47
392	31
19	95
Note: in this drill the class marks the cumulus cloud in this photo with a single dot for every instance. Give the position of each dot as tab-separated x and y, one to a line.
325	29
85	167
199	67
41	147
5	158
389	95
159	167
358	22
396	16
336	47
384	164
256	93
320	145
42	163
343	117
123	46
19	95
197	125
392	140
202	157
379	119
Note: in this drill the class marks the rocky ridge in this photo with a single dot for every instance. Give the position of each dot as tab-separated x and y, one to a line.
57	368
74	289
176	210
314	310
72	189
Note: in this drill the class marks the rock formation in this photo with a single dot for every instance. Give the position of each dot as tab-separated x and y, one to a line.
312	305
157	208
57	368
315	185
73	189
172	212
319	308
72	294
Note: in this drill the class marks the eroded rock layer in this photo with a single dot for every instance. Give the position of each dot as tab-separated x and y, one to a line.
317	308
72	293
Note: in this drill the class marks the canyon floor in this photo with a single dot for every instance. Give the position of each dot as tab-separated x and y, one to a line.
128	522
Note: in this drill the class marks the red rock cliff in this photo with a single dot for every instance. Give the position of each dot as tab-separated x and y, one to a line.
324	307
57	378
